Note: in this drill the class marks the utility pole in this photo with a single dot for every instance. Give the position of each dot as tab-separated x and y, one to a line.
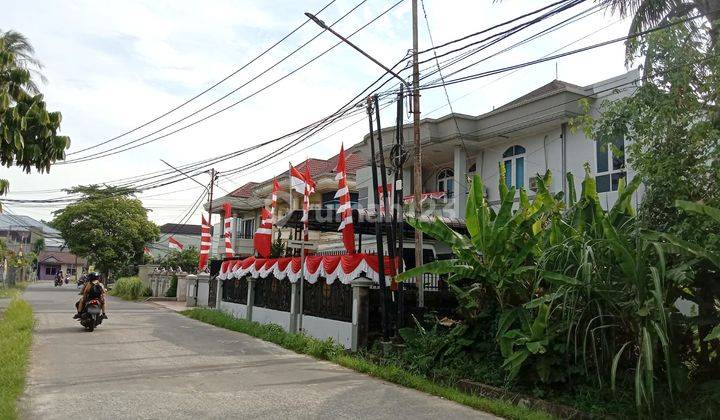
417	168
210	208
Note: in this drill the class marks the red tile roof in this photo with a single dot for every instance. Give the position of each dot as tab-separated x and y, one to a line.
318	167
61	257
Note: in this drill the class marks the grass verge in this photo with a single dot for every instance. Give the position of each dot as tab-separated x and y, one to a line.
12	291
129	288
328	350
16	324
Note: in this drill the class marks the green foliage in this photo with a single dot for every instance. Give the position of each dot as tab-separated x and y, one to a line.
129	288
16	325
278	248
187	259
327	350
580	290
29	133
172	290
38	246
107	226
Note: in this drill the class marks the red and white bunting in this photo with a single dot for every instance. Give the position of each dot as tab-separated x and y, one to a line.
229	253
205	243
262	240
297	180
381	196
174	244
345	209
309	189
345	268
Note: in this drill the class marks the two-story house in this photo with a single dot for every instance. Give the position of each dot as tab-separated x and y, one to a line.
529	135
248	200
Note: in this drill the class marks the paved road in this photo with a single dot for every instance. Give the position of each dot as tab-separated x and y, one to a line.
148	362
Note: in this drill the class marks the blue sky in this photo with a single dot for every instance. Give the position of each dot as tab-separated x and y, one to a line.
113	65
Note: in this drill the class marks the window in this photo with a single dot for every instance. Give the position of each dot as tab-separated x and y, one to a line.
71	270
445	182
330	202
247	228
51	270
610	160
514	158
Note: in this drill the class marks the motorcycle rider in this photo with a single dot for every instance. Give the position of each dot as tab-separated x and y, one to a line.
92	289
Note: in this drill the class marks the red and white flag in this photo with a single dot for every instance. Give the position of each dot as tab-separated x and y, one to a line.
309	189
262	240
146	251
229	253
174	244
205	244
273	205
381	196
345	209
297	180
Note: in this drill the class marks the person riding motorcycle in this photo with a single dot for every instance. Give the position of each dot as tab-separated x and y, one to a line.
93	289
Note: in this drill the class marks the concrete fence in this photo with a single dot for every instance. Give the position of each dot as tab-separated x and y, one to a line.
352	335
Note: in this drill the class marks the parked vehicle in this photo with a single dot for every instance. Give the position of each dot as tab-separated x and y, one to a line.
58	281
67	279
91	316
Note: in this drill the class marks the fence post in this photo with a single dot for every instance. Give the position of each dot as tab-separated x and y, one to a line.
250	298
202	293
360	312
294	306
191	292
181	288
218	292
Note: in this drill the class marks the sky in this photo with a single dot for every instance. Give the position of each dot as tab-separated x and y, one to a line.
112	66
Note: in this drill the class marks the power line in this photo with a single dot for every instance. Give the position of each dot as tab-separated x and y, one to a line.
244	66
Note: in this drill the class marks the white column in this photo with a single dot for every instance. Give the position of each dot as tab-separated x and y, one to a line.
460	179
407	181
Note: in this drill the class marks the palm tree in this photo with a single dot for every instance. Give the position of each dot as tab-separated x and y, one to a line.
24	55
647	14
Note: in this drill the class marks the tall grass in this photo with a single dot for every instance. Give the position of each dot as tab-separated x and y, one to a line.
16	325
128	288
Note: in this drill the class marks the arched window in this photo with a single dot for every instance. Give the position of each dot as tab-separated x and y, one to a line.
445	182
514	160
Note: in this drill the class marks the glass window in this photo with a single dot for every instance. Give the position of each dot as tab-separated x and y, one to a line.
610	164
516	159
445	182
247	228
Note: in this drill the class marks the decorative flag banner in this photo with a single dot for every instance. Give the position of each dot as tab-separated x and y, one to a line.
381	196
146	251
273	205
174	244
205	243
262	240
345	268
345	209
309	189
229	253
297	180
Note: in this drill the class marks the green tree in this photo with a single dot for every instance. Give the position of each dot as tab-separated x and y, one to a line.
28	131
38	246
187	259
108	225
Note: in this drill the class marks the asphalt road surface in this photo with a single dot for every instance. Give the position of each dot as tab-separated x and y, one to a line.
151	363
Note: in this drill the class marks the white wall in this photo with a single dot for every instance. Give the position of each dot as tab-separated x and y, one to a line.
320	328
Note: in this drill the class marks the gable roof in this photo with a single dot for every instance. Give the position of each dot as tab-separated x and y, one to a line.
554	86
61	257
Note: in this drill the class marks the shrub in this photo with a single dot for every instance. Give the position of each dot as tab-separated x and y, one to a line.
129	288
172	290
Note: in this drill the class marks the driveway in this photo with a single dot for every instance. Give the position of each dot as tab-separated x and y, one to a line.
148	362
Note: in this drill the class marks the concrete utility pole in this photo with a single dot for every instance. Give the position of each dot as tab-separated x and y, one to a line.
210	208
417	168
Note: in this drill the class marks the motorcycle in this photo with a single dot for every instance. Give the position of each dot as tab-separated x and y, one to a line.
91	317
58	282
67	279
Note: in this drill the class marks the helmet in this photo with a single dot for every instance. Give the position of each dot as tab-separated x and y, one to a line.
93	276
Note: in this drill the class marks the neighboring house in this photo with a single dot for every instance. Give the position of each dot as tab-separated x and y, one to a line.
20	233
187	235
248	200
52	262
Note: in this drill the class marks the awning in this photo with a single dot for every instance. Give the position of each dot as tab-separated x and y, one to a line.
345	268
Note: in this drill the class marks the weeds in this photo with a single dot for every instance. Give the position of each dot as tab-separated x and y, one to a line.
16	324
